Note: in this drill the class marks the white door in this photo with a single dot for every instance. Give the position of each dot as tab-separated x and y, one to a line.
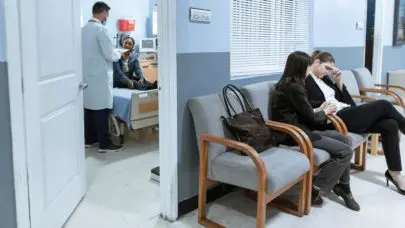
51	64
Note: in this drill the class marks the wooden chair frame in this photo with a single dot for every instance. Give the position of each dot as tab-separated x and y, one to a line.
263	198
359	152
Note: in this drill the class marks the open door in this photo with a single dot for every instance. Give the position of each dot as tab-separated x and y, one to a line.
51	66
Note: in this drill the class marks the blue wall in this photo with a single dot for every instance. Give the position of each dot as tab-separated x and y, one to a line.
141	10
335	30
8	217
203	62
2	33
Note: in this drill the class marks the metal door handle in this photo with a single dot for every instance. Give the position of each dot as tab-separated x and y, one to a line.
83	86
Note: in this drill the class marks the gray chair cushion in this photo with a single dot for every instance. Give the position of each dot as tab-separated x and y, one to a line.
357	139
363	77
388	98
283	166
350	82
258	96
320	156
206	112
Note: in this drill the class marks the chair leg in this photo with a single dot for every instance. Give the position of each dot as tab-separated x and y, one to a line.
302	198
374	144
261	210
202	189
358	158
363	156
308	192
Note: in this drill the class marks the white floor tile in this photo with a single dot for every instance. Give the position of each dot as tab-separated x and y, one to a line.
122	196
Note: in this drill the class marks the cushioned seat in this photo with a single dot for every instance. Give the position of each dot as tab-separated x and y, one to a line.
283	167
320	156
388	98
357	139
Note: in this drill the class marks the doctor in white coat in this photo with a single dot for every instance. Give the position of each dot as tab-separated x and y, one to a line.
98	57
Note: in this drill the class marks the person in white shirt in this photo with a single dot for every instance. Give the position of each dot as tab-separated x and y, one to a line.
98	55
325	84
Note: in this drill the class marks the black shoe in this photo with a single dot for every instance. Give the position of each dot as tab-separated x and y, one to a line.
389	178
316	199
110	148
344	192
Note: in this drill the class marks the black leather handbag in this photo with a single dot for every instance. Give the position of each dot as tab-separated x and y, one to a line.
248	126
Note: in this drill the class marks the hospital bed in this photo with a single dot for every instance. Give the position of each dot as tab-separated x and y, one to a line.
133	109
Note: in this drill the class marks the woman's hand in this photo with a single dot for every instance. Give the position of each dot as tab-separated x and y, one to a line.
323	105
330	109
130	84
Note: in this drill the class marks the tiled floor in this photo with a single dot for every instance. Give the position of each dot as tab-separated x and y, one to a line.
120	192
121	196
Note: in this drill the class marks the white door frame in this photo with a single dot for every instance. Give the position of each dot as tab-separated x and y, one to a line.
13	53
167	110
168	141
378	48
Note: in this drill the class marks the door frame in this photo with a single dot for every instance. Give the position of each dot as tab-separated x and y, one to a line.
378	47
168	141
167	110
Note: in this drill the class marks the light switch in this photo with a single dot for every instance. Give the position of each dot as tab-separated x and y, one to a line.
200	15
359	25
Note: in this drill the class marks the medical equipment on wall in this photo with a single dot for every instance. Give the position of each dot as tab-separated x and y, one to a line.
125	26
148	45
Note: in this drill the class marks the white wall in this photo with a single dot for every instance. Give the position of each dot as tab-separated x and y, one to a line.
389	22
2	33
335	23
141	10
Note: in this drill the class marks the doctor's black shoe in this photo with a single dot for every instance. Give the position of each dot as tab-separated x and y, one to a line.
110	148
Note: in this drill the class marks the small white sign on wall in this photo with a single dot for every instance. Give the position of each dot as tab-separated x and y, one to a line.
200	15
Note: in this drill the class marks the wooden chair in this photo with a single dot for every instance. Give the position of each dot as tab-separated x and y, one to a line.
269	173
259	96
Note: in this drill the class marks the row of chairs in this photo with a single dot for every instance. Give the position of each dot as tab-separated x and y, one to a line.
274	171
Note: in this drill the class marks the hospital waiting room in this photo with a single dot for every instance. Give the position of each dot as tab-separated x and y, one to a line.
202	113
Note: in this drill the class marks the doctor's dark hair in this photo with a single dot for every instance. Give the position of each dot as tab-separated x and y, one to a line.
295	69
100	7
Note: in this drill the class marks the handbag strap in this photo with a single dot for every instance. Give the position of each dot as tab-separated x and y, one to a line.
238	95
228	104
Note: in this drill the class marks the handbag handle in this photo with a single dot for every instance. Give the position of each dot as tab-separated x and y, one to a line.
242	95
237	93
228	104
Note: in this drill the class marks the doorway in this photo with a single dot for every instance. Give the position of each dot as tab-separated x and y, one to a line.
370	35
34	76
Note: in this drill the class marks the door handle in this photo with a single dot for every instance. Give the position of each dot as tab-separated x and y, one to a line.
83	86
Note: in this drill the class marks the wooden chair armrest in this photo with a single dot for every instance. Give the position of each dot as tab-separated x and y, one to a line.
390	86
243	147
383	91
338	123
298	135
362	97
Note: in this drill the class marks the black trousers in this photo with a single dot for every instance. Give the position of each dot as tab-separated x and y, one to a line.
337	168
96	127
378	117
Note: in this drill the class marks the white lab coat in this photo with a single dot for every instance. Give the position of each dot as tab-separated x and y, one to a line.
98	55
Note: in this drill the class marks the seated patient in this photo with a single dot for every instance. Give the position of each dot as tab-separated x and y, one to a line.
325	85
127	70
290	105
